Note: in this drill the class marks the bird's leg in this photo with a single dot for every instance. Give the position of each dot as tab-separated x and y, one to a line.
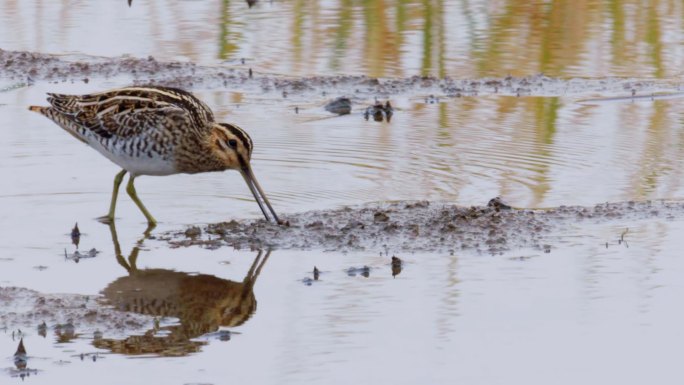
130	188
109	218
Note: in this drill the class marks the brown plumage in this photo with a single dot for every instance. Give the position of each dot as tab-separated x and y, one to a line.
153	130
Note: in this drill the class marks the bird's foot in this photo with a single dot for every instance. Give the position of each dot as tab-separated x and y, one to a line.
150	227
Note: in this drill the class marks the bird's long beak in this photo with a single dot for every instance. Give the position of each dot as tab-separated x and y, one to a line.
258	193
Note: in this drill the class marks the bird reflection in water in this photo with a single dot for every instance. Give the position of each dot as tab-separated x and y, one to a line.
202	303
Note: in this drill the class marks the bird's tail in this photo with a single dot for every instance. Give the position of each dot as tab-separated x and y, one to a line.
39	109
62	120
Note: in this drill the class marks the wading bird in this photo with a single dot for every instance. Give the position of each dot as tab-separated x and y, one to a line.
153	130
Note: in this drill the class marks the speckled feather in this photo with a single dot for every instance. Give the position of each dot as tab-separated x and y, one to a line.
147	130
129	111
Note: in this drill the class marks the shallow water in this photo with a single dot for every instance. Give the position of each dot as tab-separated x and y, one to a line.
377	38
584	312
602	306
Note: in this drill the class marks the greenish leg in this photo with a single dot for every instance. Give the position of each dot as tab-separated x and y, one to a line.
131	191
112	206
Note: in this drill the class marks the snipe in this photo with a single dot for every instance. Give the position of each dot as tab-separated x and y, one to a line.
153	130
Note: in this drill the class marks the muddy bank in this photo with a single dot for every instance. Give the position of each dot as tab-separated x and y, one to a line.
418	226
25	68
65	315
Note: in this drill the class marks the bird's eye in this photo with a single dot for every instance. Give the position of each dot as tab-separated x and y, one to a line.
232	143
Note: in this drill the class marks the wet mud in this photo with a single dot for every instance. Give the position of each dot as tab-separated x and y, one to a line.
420	226
25	68
67	316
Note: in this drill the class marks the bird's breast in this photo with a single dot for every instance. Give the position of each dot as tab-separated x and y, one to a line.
139	157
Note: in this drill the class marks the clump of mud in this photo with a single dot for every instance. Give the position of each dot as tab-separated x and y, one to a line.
49	313
418	226
29	67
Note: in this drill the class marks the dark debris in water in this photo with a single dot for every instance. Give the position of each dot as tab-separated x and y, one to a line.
420	226
20	357
396	265
75	235
308	281
379	112
339	106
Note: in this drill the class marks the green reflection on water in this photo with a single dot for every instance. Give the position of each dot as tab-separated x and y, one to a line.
654	40
228	39
470	38
519	37
342	33
546	116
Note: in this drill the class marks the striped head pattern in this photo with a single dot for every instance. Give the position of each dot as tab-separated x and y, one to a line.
231	145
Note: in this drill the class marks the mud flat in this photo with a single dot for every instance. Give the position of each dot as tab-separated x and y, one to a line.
420	227
29	67
28	309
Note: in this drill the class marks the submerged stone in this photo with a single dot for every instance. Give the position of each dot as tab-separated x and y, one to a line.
339	106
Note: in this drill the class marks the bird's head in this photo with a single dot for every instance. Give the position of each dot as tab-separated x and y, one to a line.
232	147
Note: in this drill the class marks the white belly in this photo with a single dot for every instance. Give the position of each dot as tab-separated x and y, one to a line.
139	165
145	165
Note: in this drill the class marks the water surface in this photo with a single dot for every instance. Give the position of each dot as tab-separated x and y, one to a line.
597	308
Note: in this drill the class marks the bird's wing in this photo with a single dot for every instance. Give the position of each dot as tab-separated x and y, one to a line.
132	111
